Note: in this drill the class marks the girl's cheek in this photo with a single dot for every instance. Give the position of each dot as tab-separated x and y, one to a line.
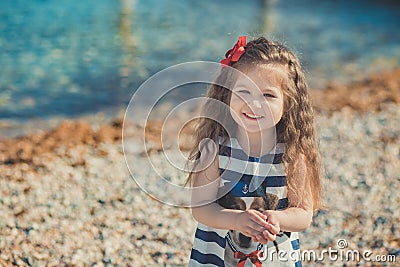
235	100
266	106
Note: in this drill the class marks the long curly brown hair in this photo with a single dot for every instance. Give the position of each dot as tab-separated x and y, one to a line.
295	129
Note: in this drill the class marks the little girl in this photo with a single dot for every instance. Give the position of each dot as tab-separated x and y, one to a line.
263	182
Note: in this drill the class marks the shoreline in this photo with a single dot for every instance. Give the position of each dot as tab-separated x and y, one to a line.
369	95
363	95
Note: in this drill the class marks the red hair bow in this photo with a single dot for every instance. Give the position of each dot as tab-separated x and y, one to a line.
234	54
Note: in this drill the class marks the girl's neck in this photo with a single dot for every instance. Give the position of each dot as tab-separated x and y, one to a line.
258	143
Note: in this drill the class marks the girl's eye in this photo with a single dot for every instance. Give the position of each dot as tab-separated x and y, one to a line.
243	91
269	95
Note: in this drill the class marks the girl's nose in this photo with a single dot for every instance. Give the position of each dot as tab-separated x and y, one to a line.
257	103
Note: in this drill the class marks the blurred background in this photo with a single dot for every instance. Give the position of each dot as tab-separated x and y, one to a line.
66	59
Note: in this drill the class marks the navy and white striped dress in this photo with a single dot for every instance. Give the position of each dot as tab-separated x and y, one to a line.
237	170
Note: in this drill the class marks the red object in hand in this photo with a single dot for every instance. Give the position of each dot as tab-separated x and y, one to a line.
234	54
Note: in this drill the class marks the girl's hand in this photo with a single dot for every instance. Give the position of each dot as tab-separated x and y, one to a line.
273	227
251	223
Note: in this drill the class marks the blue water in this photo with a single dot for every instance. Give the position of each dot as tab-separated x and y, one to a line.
69	58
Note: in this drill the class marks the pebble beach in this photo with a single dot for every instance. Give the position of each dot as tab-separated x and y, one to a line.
67	197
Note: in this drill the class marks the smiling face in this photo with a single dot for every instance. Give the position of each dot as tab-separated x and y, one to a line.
257	100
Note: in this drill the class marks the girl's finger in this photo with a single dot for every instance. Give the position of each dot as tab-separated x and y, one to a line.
267	235
263	216
261	239
256	226
273	229
260	221
250	232
271	216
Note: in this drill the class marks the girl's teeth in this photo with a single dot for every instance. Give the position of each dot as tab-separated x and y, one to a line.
253	116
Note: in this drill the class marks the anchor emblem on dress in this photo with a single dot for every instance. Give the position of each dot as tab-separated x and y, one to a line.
245	189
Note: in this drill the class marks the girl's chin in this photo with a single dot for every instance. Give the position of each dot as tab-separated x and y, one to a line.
255	128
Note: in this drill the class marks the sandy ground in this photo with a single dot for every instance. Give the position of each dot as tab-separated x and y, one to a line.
67	197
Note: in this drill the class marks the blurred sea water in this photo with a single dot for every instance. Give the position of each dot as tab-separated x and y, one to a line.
71	58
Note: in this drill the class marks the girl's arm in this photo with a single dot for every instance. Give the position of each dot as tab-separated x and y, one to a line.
295	219
205	189
291	219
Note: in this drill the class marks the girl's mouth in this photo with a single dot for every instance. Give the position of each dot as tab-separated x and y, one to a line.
252	116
